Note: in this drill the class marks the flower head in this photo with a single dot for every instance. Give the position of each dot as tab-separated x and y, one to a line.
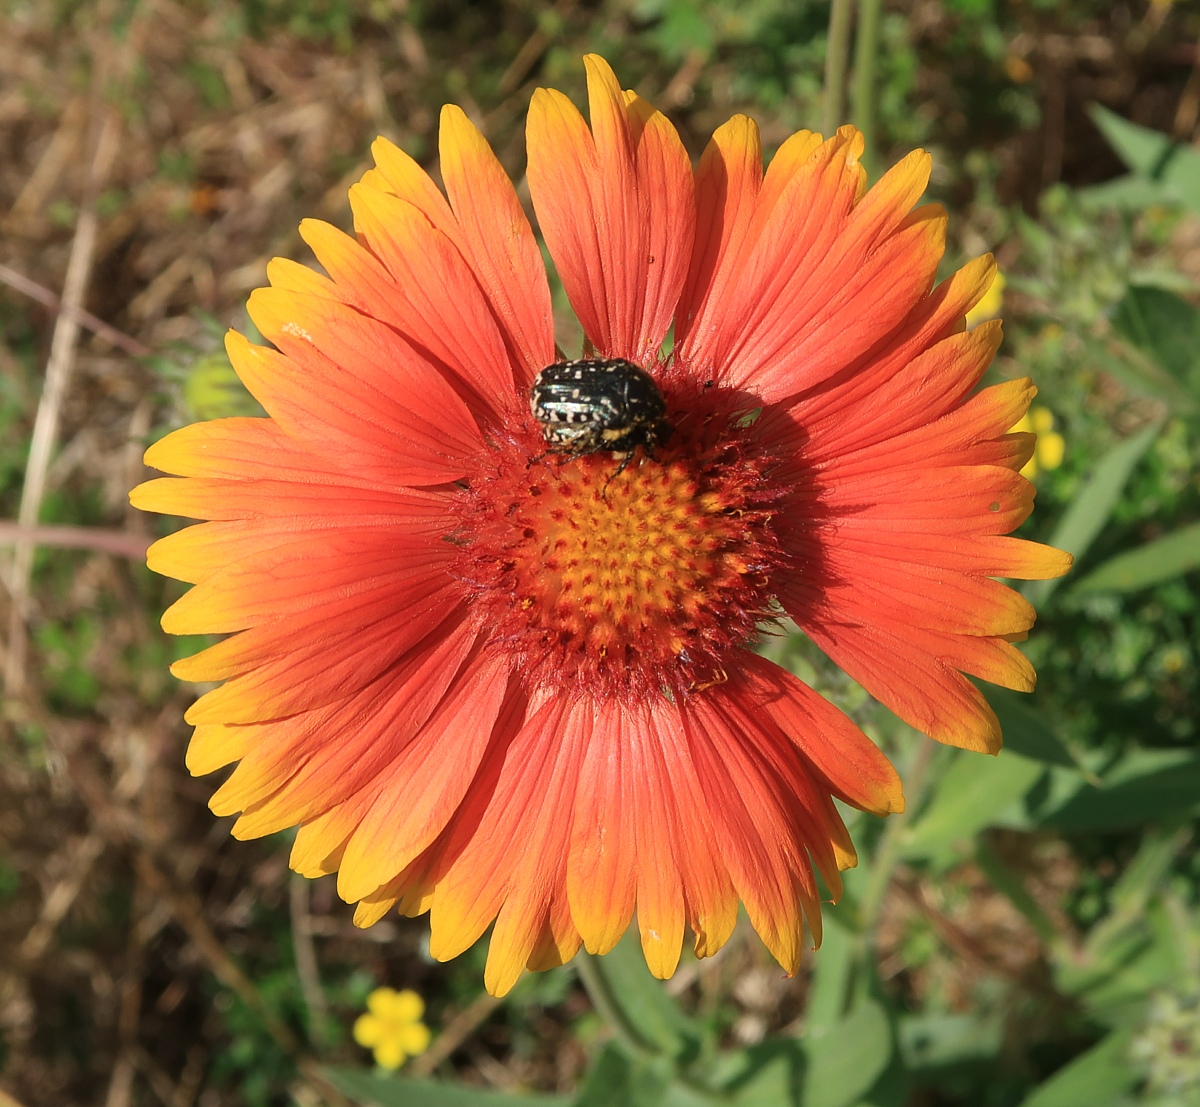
500	673
392	1027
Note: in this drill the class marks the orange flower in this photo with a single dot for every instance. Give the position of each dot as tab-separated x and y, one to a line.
516	687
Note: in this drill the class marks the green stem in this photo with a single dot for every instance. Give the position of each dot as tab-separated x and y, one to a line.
603	996
866	51
601	992
887	857
837	50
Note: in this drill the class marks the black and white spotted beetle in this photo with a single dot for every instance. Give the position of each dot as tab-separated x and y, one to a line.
596	404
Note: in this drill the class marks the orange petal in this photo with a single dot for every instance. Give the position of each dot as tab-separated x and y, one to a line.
301	766
616	209
709	895
975	430
390	416
534	925
321	840
655	826
754	816
953	499
809	336
512	865
446	318
215	745
244	449
851	764
425	785
814	823
403	177
793	155
416	887
919	687
195	553
275	675
446	310
861	588
497	240
666	210
557	940
488	226
983	554
934	318
784	243
291	276
304	574
728	178
601	866
275	502
931	387
733	201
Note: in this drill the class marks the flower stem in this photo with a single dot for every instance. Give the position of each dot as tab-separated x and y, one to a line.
866	50
837	50
601	992
885	860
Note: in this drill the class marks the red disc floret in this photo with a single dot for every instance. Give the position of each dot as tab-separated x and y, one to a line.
625	580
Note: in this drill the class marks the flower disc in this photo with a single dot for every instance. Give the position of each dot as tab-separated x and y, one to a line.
626	576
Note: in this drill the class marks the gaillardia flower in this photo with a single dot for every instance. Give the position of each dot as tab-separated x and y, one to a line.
510	681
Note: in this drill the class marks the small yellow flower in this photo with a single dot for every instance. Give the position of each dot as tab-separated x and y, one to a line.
1048	454
392	1027
989	307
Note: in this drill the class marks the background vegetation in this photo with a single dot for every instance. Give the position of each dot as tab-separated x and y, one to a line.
1027	934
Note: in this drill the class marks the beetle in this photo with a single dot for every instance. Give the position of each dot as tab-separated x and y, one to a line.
597	404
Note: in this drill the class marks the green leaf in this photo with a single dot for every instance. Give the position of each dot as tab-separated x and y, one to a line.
1114	987
767	1075
1134	948
616	1080
1165	327
1128	193
972	794
1094	503
1148	786
937	1040
1153	155
892	1088
1145	875
1098	1078
831	967
845	1061
398	1091
1140	148
1025	731
1136	369
1163	559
